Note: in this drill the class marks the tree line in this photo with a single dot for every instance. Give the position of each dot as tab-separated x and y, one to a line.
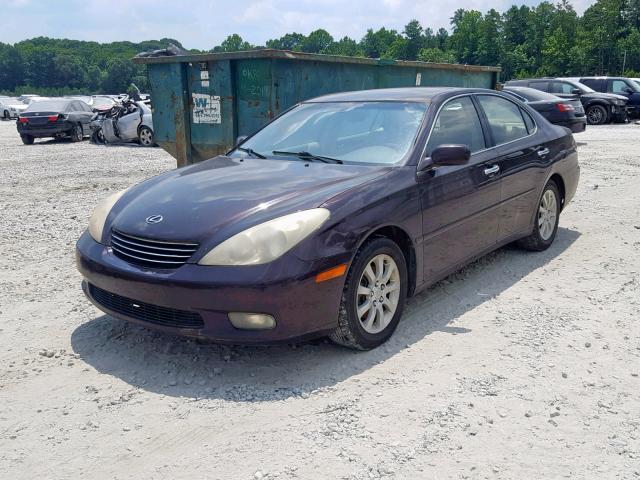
545	40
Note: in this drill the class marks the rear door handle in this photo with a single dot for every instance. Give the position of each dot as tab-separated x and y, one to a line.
492	170
543	152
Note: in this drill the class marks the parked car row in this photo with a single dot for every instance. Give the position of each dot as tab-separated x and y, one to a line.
600	106
107	120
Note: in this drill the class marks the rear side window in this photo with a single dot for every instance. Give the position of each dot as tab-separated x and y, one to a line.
504	117
542	86
457	123
528	121
592	82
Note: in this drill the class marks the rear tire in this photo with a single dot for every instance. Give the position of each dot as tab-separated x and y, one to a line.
145	137
77	134
6	115
597	115
373	297
546	222
27	139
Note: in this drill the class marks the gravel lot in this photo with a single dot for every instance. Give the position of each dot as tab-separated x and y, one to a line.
523	365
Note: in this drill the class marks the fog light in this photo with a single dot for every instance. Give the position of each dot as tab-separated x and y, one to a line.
252	321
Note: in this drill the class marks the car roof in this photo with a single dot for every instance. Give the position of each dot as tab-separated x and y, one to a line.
406	94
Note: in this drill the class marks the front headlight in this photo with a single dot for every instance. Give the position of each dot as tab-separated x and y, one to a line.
99	215
267	241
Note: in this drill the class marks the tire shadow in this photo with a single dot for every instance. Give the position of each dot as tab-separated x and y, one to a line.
177	366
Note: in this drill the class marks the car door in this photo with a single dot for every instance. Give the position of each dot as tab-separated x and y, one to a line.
562	89
522	158
460	203
83	114
128	125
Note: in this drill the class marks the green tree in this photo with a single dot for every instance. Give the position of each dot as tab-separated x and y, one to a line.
318	41
415	40
436	55
119	76
233	43
467	31
11	67
290	41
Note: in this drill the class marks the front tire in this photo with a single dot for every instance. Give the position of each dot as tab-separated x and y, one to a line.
374	295
547	218
6	115
145	136
597	115
27	139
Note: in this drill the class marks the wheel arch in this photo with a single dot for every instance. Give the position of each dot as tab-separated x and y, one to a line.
401	238
559	181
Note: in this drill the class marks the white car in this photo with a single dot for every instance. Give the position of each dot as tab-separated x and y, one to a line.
11	107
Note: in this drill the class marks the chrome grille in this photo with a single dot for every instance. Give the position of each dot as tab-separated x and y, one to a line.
151	253
146	312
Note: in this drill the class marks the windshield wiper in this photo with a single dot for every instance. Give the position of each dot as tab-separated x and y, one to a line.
251	152
308	156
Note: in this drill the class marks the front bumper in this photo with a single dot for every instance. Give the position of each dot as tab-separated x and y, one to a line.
302	308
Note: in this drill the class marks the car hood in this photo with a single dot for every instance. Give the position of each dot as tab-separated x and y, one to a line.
606	96
223	196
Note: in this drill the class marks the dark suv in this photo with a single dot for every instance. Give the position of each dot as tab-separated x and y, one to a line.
600	108
619	86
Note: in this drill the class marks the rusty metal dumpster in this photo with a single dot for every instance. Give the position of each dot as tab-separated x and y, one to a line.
202	103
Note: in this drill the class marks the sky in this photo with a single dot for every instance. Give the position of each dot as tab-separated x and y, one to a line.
203	24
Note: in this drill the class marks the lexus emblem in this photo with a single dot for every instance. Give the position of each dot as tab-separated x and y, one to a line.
155	219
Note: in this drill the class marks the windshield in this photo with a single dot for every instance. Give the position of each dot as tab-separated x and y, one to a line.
353	132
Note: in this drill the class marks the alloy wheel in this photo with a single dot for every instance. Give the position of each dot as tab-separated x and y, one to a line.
378	293
146	137
596	115
547	214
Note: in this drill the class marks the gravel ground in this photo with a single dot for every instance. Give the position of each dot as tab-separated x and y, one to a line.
523	365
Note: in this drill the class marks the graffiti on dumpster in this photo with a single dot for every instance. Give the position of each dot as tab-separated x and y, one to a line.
206	108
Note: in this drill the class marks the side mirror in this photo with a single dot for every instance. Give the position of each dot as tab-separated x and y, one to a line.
452	154
627	90
241	139
576	91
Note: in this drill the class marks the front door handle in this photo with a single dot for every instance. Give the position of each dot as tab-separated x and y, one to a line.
492	170
543	152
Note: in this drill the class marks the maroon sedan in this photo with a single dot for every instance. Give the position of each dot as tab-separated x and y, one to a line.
327	219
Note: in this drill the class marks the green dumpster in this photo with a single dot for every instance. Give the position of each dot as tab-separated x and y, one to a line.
202	103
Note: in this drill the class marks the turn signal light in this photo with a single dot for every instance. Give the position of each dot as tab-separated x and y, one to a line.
334	272
564	107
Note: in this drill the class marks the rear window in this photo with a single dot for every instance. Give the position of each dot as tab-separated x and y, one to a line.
48	106
533	95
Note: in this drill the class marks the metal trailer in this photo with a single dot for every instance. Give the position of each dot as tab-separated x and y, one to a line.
202	103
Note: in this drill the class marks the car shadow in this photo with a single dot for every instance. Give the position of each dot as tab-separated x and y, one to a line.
176	366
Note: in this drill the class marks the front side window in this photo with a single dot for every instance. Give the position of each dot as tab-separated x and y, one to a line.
354	132
504	117
619	87
562	87
457	123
